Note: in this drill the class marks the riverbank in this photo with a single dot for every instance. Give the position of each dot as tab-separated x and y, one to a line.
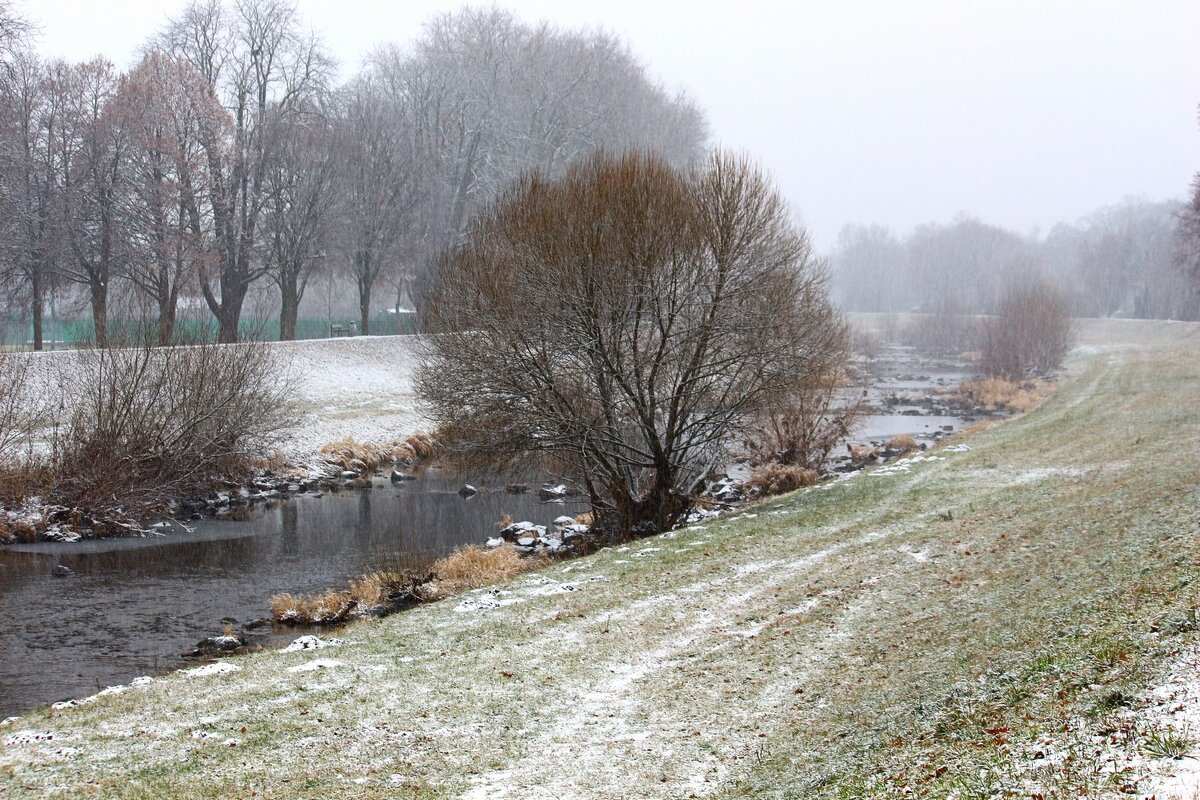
1003	616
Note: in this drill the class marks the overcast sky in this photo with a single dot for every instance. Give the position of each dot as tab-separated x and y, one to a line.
1020	113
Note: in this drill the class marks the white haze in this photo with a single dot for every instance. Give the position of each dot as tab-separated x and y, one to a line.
1020	113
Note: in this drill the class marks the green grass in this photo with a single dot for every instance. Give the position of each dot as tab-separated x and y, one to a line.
919	634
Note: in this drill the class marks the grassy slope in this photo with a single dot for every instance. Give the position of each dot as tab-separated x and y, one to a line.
917	633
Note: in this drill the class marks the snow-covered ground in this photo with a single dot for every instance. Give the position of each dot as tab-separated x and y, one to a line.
357	387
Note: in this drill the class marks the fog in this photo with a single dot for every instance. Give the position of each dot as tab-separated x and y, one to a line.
1022	114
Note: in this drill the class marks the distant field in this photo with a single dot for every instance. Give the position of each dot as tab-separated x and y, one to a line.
988	621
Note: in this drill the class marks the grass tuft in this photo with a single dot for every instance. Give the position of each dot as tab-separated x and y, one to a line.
904	443
473	567
773	479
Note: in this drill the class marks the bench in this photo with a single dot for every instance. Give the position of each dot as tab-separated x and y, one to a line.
337	329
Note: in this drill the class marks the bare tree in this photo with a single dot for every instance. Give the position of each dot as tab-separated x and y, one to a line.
628	320
377	180
164	105
90	149
297	210
491	98
33	115
265	69
870	269
1187	238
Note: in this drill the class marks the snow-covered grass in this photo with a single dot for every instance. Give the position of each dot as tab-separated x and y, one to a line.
1012	617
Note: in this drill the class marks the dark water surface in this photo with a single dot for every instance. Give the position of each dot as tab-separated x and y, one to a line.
134	606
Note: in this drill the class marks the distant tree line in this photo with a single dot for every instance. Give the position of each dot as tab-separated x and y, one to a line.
1119	261
227	160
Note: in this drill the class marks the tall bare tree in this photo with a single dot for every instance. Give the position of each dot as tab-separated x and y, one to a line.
91	149
265	69
33	115
1187	238
377	185
298	208
164	106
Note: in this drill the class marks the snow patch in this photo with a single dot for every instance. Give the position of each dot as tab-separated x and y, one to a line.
320	663
310	642
219	668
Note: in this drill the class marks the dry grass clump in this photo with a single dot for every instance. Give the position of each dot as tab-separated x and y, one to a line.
387	588
423	445
323	608
1001	394
904	443
772	479
472	567
861	452
351	454
467	568
585	518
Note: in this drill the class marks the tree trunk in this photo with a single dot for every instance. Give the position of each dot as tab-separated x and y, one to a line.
100	312
289	308
166	321
229	312
37	310
364	306
362	274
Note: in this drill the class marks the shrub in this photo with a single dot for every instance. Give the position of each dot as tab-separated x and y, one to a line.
1030	333
153	425
803	426
773	479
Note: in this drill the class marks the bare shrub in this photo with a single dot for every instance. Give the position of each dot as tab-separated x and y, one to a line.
803	428
629	321
21	472
773	479
153	425
944	331
1030	333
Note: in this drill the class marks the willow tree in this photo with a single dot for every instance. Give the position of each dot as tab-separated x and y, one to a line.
627	320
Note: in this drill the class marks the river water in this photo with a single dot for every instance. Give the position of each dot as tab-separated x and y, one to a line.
133	606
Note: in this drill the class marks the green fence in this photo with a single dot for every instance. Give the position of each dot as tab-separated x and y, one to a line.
18	334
